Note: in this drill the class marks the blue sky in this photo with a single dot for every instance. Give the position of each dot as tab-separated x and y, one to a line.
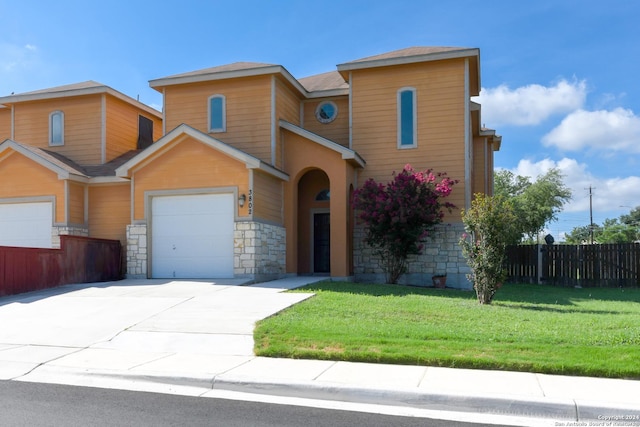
559	77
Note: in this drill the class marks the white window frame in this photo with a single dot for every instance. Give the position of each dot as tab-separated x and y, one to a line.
52	116
415	117
224	113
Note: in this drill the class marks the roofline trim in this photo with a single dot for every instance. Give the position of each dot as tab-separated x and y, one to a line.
250	161
346	153
222	75
62	173
436	56
95	90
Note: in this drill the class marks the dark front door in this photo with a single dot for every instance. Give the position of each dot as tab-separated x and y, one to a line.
321	243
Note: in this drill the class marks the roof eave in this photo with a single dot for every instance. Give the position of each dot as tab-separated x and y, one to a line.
328	93
62	173
124	171
436	56
95	90
158	84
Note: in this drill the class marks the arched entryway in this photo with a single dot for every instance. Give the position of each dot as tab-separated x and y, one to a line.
314	223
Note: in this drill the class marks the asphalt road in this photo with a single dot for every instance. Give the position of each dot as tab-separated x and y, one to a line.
36	404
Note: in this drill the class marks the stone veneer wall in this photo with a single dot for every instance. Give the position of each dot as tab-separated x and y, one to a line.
441	254
66	230
137	251
259	251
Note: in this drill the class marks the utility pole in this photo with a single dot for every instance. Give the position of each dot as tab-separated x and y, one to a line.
591	214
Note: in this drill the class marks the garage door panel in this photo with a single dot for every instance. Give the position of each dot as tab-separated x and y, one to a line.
192	236
26	224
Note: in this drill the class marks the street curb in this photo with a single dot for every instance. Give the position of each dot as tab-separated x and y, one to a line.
547	408
558	409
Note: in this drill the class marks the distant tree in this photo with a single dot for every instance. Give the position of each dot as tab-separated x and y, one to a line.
399	216
632	218
625	229
614	231
535	203
581	235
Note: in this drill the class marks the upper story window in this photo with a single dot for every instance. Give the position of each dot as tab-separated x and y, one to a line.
56	128
145	132
217	114
326	112
407	121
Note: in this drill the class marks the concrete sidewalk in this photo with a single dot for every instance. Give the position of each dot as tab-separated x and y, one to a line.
196	337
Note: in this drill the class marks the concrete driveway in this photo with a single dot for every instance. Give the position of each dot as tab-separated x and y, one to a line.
146	325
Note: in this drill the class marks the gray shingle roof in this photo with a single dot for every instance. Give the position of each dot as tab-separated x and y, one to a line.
409	51
325	81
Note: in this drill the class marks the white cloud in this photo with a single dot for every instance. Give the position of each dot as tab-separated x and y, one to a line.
617	130
530	105
608	193
14	57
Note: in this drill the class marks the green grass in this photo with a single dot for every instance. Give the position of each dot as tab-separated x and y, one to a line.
590	331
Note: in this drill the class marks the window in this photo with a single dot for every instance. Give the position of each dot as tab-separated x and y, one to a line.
407	126
145	132
326	112
323	195
217	114
56	128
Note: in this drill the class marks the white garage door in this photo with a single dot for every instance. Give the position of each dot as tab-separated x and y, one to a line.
192	236
26	224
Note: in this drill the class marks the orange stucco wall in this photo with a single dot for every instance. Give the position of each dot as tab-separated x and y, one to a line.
110	211
188	164
301	156
82	126
440	110
309	185
248	111
21	177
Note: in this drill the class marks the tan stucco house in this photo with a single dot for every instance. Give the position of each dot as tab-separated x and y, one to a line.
248	172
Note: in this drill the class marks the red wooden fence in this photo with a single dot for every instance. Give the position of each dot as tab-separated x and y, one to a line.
79	260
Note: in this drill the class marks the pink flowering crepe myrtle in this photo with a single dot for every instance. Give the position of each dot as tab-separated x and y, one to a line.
400	215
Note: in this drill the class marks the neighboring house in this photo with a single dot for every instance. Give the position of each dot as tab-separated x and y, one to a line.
248	172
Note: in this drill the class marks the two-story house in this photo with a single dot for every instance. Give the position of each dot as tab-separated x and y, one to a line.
248	172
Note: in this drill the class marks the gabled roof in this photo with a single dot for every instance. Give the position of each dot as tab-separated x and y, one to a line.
66	168
229	71
63	167
184	130
346	153
412	55
330	84
89	87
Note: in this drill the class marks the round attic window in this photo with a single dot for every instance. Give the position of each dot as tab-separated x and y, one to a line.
326	112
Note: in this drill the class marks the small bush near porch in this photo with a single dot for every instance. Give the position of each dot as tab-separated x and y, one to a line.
536	328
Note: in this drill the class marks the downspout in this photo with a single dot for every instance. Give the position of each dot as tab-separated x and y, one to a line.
273	120
103	131
467	138
13	120
486	166
350	112
164	111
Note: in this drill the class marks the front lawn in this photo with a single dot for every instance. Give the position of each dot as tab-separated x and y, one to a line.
590	331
